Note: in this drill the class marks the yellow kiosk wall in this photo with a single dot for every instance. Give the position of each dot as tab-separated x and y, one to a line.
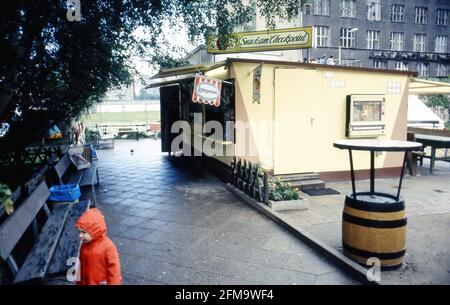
308	105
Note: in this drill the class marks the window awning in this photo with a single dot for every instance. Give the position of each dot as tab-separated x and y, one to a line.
170	81
188	69
168	76
421	86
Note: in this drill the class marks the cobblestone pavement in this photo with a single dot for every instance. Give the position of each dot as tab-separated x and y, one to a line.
427	200
172	227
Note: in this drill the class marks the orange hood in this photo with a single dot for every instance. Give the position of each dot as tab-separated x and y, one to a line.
93	222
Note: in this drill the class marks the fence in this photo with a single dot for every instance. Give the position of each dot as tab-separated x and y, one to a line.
350	63
102	132
18	167
251	179
127	106
30	156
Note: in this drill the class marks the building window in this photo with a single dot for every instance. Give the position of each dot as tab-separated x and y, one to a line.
321	7
373	40
421	15
443	17
423	69
401	66
397	42
322	36
307	7
348	8
347	38
374	10
442	70
440	45
397	13
420	43
380	64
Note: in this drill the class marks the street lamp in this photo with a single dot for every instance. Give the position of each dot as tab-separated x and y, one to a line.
340	51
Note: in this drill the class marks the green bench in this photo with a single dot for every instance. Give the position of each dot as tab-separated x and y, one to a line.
54	244
87	179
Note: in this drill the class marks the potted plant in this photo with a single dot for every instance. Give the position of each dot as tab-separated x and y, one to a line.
283	197
5	199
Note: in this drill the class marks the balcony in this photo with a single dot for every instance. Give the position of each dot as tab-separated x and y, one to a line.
410	56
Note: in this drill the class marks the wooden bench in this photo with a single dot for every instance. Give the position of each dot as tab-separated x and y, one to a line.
156	129
87	179
54	244
435	143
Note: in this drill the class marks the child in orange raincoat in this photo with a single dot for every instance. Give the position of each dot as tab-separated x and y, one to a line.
99	259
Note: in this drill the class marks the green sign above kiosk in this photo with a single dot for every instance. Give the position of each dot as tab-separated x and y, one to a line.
268	40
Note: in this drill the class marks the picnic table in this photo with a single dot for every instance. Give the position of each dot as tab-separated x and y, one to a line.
373	146
435	142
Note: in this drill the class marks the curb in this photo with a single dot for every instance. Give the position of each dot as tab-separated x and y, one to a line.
355	270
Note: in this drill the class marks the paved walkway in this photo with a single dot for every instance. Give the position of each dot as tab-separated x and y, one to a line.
427	200
172	227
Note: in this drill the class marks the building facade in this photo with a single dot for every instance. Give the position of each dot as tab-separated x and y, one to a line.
390	34
408	35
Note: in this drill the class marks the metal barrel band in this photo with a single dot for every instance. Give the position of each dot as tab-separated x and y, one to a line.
382	224
368	254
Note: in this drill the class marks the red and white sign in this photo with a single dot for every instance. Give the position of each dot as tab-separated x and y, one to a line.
207	90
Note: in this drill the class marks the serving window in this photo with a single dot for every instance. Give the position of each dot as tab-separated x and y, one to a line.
224	113
367	111
365	115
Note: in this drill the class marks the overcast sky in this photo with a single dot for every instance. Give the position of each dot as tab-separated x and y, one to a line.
178	36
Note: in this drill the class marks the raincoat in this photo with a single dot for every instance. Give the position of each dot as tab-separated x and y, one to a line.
99	259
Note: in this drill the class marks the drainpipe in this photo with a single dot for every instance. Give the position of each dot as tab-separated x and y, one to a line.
273	122
300	17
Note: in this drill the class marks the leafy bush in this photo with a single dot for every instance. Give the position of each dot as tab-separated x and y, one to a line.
89	135
5	199
279	190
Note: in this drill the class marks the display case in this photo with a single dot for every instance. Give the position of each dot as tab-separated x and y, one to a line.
365	115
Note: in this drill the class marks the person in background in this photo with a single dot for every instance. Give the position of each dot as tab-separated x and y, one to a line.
323	60
99	259
313	60
330	61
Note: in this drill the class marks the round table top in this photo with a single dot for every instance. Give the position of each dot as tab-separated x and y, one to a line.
377	145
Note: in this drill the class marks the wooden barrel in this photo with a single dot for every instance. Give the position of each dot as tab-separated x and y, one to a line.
374	226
